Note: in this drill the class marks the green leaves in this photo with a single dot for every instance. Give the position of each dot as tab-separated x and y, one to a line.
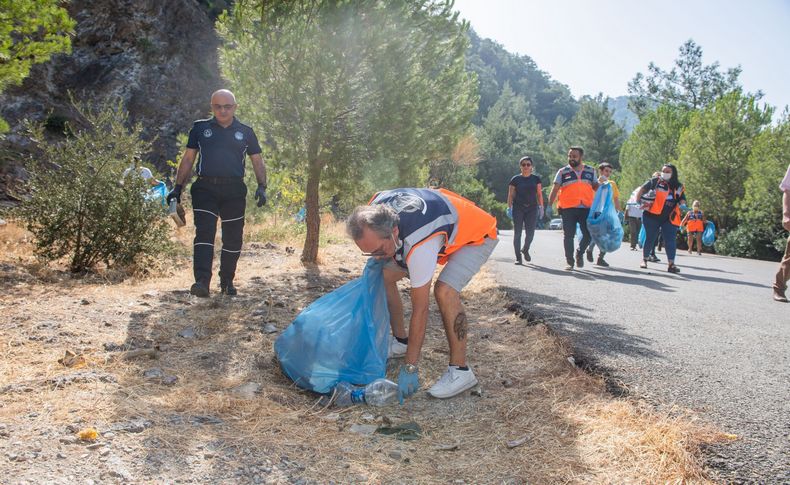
339	84
31	31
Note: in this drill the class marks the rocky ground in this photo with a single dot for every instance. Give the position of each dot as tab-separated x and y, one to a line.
186	390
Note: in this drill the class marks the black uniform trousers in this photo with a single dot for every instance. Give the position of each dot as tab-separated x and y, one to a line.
212	199
571	217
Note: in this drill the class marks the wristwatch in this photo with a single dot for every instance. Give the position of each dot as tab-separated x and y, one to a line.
410	368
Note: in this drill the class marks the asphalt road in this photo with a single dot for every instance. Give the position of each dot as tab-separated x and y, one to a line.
709	339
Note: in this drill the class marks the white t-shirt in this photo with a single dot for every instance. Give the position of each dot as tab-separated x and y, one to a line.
423	260
785	185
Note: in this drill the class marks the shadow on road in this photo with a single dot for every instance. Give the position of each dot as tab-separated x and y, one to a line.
572	319
609	276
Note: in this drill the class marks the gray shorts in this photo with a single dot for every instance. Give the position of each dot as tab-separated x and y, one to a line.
461	266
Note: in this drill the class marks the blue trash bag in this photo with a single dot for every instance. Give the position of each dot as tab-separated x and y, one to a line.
642	236
157	192
342	336
709	234
603	223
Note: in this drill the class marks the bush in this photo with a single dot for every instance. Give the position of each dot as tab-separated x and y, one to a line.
81	208
746	242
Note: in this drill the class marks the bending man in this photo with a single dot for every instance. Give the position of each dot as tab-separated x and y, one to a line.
414	230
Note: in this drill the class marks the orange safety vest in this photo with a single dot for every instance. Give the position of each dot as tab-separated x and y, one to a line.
694	223
426	213
575	191
662	192
474	225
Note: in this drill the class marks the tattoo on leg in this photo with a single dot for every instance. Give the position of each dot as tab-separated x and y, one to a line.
460	326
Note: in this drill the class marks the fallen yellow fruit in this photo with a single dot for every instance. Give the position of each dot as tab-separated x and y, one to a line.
88	434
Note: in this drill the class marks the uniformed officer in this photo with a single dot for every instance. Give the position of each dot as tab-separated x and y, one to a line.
219	191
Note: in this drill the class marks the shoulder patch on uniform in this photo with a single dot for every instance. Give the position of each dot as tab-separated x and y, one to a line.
207	133
404	202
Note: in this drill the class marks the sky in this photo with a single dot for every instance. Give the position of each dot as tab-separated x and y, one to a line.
599	46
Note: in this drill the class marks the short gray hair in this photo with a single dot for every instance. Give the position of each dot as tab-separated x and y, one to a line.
380	218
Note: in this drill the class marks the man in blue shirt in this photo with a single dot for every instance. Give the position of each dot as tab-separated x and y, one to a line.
220	144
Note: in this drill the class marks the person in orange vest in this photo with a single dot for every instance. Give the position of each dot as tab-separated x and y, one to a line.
661	199
574	185
694	220
414	230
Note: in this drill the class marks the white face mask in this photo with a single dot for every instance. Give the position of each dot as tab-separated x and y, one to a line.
604	177
666	176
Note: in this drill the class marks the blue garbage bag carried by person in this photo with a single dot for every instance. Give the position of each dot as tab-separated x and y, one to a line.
342	336
642	236
709	234
603	223
157	193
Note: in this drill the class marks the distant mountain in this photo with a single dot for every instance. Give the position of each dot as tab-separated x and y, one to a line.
621	114
495	67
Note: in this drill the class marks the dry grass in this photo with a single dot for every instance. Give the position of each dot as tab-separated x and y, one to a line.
573	431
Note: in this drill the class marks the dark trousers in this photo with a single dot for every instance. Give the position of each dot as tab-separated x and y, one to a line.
212	201
571	217
526	217
668	231
634	225
783	275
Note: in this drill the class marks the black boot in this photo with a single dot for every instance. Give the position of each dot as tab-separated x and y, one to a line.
579	259
601	262
227	288
199	289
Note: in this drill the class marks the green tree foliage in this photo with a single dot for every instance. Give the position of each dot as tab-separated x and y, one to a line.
594	129
653	143
495	67
760	233
689	84
714	150
30	32
508	133
337	84
81	206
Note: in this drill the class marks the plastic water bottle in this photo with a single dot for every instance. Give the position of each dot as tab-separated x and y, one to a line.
381	392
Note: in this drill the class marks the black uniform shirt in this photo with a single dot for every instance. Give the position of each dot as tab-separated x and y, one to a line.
222	150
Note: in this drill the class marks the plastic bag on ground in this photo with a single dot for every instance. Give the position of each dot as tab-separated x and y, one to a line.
342	336
709	234
603	223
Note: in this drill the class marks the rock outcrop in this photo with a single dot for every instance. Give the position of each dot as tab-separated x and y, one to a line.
159	58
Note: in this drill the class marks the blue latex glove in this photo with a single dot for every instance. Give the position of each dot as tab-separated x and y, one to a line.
260	195
510	213
541	212
684	207
408	383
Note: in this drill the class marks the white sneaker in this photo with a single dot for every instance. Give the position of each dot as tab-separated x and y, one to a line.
453	382
396	348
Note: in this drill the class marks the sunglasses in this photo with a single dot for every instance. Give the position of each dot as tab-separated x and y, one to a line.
226	107
526	164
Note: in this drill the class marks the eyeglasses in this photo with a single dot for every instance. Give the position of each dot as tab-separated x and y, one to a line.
526	164
380	251
226	107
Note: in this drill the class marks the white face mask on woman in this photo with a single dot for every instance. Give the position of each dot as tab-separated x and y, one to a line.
666	176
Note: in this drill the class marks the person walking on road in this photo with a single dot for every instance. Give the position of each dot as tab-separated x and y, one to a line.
525	205
220	145
783	275
661	199
414	230
633	217
694	220
604	177
575	186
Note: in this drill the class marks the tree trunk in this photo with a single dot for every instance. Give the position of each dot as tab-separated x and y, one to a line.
312	197
312	216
